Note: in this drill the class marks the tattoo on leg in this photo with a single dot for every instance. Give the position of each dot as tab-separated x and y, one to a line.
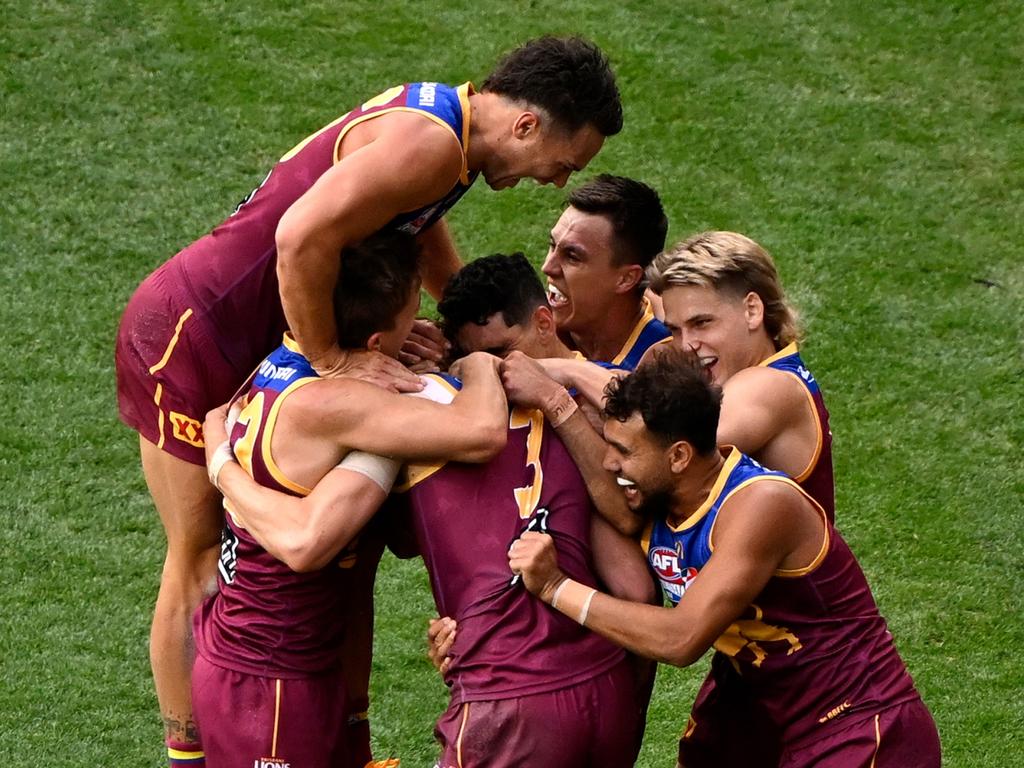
186	731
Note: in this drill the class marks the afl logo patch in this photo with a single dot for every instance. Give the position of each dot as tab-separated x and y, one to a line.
673	577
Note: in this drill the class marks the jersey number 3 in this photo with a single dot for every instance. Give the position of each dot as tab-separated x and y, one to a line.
528	496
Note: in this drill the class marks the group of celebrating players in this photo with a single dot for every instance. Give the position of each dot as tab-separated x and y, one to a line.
564	461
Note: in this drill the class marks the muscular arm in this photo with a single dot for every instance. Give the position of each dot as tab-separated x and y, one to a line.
756	533
343	414
620	563
588	379
390	164
438	258
767	415
303	533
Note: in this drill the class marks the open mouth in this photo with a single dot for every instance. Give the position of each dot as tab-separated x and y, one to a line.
629	490
555	297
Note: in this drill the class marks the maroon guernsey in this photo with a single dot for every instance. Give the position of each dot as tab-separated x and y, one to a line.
266	619
466	516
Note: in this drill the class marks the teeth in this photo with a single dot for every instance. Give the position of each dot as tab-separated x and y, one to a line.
554	294
624	482
708	361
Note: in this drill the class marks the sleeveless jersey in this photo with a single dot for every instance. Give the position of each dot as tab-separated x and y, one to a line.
229	276
466	516
817	477
265	618
812	646
647	332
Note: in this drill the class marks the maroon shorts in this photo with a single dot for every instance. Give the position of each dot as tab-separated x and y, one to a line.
588	725
249	720
170	372
903	736
727	728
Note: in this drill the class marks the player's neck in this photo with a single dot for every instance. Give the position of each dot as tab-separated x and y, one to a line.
486	118
695	485
605	340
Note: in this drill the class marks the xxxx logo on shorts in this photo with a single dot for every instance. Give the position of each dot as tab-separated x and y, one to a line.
187	429
270	762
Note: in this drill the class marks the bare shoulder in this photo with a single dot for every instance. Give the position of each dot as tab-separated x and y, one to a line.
409	137
327	403
763	385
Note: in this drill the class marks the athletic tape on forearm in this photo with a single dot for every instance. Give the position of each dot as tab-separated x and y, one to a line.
381	470
221	456
562	408
573	599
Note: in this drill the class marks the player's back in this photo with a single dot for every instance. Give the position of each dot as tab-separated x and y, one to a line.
509	644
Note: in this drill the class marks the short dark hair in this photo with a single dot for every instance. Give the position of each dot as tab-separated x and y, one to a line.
634	210
377	279
498	283
568	77
674	395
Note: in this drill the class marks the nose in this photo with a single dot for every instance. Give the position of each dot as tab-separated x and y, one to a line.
549	267
611	462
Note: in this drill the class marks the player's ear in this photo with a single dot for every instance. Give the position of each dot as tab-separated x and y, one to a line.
753	309
680	454
526	125
629	278
544	321
375	342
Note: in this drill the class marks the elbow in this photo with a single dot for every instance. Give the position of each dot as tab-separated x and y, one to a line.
307	552
490	442
288	239
681	651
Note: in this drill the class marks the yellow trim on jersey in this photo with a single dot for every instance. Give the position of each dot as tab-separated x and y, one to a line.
289	343
645	318
464	91
645	537
363	118
786	351
172	343
730	463
783	573
268	437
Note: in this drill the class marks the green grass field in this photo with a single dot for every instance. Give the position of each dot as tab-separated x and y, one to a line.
874	148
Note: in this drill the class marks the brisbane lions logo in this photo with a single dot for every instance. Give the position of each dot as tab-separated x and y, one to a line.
673	577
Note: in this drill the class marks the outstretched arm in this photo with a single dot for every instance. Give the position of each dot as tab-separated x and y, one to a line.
752	544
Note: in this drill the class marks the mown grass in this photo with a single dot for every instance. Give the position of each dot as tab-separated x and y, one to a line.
874	148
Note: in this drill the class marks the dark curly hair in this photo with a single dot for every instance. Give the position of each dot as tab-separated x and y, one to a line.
568	77
674	395
634	210
377	278
498	283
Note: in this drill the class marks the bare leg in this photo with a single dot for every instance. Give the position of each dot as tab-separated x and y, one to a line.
190	511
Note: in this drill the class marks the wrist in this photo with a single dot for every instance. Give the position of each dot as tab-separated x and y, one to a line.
221	456
559	406
573	599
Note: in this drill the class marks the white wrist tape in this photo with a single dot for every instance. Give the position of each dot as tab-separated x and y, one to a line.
220	457
381	470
